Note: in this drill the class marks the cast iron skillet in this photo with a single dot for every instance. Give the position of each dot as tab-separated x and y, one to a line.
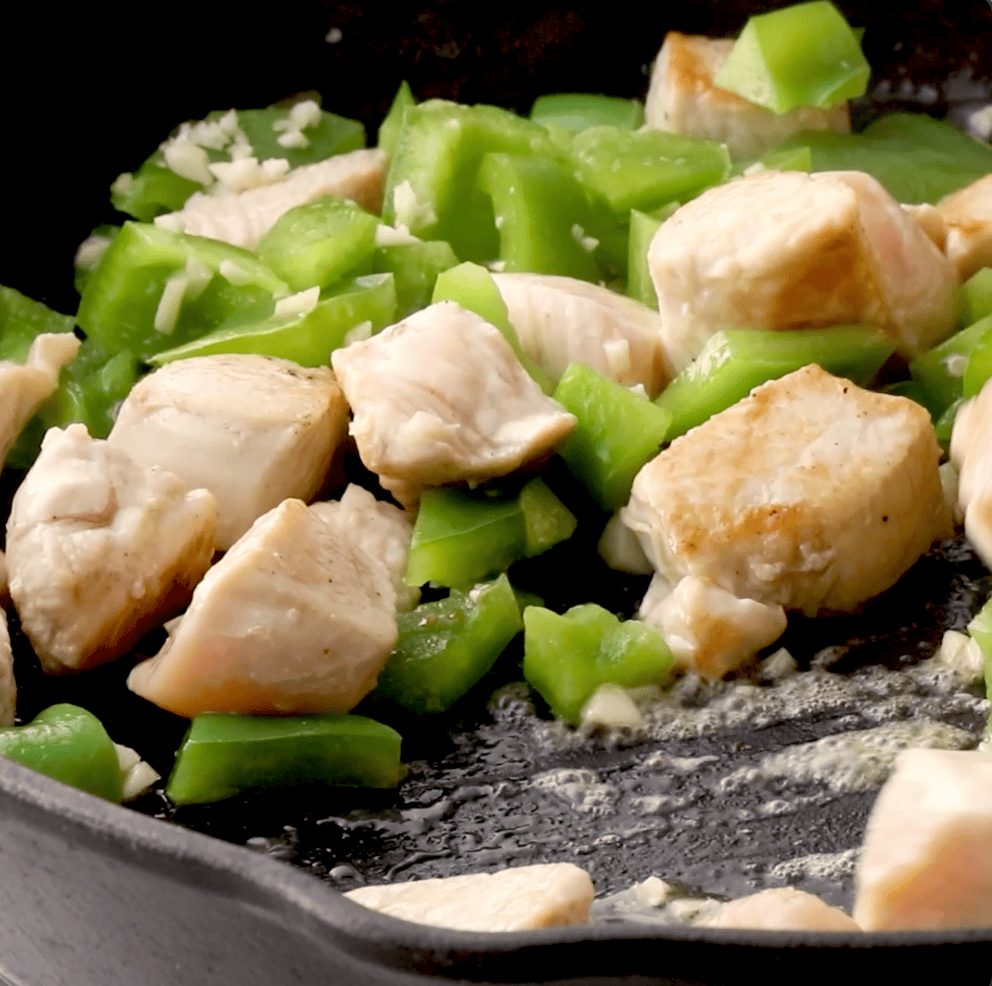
94	894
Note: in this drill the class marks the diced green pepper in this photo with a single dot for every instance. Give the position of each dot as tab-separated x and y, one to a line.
944	425
307	339
70	745
461	537
91	252
940	371
123	296
445	647
734	361
979	367
415	268
432	186
566	658
473	287
320	242
640	287
976	296
577	111
152	190
646	169
802	55
542	216
224	755
22	319
617	433
389	129
980	630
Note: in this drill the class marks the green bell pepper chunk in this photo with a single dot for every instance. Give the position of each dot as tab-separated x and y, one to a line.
415	268
617	433
445	647
979	367
976	296
307	339
803	55
941	371
70	745
640	287
87	260
224	755
577	111
320	242
736	360
646	169
980	630
22	319
389	129
944	425
473	287
120	301
154	189
542	216
432	186
461	537
916	158
566	658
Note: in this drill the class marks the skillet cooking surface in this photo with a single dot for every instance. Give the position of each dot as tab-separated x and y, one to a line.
702	799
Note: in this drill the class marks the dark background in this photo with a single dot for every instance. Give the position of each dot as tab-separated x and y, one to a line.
92	89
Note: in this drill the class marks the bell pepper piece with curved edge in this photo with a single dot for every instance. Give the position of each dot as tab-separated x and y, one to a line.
446	646
432	186
941	371
803	55
90	252
415	268
577	111
646	169
734	361
473	287
542	216
155	189
566	658
125	305
976	296
389	129
461	537
223	755
307	338
320	242
618	431
69	744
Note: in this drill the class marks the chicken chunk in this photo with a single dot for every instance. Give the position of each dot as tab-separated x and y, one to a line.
788	250
971	454
292	620
8	687
682	98
810	493
253	430
101	549
382	530
243	218
440	398
925	862
23	389
545	895
781	909
710	630
562	320
968	215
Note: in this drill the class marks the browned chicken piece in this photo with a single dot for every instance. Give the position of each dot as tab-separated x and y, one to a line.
682	99
781	909
790	250
811	494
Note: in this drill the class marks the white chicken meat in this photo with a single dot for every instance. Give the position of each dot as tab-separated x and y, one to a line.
968	216
790	250
382	530
971	454
682	98
101	549
441	398
810	493
562	320
925	862
253	430
780	909
545	895
243	218
294	619
8	686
